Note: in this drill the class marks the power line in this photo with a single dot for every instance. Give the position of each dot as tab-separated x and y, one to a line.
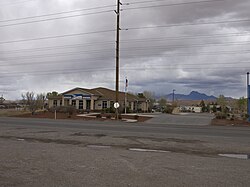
10	4
51	62
92	13
58	47
131	28
137	48
186	46
61	54
187	24
188	54
141	2
80	70
57	18
134	40
58	36
170	5
187	37
57	13
80	60
127	49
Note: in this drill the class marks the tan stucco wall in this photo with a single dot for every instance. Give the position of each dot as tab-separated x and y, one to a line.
98	105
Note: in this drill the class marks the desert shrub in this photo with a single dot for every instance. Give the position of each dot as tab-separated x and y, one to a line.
128	110
70	110
98	116
245	116
108	116
221	115
119	116
136	117
168	110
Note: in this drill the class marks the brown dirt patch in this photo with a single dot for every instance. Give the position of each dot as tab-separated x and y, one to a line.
226	122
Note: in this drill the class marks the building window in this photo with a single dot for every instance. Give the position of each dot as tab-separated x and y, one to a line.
55	103
81	105
61	103
104	104
73	102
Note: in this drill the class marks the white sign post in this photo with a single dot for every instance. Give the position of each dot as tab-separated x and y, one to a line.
116	106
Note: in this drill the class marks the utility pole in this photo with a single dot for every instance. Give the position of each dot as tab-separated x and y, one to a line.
117	54
248	97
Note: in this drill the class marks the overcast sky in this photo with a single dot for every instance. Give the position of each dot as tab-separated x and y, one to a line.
48	45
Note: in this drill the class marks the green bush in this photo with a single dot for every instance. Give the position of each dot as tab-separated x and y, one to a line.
168	110
108	110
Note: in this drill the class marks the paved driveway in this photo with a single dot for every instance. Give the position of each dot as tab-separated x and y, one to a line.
182	119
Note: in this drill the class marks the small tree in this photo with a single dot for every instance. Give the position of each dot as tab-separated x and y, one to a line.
151	97
203	106
222	102
54	93
33	102
162	103
242	104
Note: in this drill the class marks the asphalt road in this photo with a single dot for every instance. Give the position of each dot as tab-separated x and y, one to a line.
41	152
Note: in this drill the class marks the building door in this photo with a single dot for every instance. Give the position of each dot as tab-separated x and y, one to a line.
88	102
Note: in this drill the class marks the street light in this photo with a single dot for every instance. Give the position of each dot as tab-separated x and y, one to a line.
173	94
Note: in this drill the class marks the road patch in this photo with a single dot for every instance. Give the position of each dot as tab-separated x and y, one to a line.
238	156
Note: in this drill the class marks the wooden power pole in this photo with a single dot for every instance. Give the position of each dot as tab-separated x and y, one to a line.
117	54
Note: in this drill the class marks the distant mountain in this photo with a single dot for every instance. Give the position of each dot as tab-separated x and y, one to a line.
192	96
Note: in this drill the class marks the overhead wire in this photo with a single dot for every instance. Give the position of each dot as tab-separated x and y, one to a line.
53	48
135	28
57	13
52	62
62	54
90	60
170	5
133	40
198	36
177	55
87	9
80	70
58	47
187	24
57	18
129	28
57	36
14	3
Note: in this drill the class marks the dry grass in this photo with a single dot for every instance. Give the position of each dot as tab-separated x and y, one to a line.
11	112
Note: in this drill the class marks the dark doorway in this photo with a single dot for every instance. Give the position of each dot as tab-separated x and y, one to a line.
88	102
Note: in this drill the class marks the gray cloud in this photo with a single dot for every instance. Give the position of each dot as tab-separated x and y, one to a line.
210	58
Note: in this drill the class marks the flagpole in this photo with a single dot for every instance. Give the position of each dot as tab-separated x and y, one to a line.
126	95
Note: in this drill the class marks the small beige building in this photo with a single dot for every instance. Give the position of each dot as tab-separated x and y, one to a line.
98	99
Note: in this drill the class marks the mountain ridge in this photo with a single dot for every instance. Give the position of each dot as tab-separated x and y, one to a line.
193	95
